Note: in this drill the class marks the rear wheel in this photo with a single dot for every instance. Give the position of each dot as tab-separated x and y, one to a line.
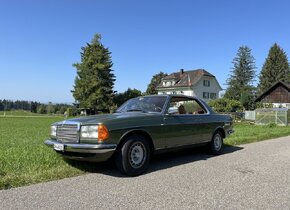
134	155
216	144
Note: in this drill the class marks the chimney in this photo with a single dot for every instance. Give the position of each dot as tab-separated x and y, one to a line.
181	71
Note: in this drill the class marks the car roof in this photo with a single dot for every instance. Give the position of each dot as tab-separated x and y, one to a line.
170	95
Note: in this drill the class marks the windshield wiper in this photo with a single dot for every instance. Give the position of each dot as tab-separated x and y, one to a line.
135	110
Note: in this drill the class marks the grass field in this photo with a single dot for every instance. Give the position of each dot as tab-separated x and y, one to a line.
24	159
248	133
18	113
21	113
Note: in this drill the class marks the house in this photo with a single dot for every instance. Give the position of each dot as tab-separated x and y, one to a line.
199	83
278	95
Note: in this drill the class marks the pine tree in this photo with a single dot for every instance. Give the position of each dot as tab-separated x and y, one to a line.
275	68
94	82
155	81
120	98
240	82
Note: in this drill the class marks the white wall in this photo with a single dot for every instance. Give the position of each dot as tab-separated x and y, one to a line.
184	92
284	105
214	87
198	89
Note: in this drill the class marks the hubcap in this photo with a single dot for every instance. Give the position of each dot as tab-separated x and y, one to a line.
137	155
217	142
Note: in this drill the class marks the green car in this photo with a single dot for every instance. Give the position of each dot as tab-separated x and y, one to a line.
139	128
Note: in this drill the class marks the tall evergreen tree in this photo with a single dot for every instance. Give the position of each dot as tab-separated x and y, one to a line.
155	81
240	82
94	82
275	68
120	98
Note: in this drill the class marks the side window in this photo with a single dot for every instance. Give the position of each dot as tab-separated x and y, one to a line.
206	83
212	95
205	95
182	106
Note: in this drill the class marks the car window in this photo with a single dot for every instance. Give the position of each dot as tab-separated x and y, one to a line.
180	105
143	104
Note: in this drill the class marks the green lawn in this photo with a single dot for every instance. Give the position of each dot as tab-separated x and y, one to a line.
19	113
248	133
24	159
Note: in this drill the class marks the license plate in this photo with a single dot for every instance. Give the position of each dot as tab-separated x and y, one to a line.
58	147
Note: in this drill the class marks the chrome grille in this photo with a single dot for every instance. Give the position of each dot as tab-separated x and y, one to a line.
68	133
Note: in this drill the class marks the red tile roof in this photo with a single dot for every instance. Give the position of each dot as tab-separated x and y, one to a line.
186	78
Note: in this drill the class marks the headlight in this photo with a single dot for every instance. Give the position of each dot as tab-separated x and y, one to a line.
89	132
53	131
99	132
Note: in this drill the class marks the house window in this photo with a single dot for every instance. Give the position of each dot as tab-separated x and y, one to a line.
206	83
205	95
212	95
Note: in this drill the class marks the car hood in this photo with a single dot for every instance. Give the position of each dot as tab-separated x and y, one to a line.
105	118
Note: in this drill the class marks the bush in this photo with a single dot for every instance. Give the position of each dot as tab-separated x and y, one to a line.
260	105
225	105
272	125
71	112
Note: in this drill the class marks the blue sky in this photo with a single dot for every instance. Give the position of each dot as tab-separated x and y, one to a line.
40	40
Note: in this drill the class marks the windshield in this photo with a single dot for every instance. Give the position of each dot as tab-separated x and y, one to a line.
143	104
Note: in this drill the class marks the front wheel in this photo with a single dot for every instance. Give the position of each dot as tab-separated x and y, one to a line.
216	144
134	156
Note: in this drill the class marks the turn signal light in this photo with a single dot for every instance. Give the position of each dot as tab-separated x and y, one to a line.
103	133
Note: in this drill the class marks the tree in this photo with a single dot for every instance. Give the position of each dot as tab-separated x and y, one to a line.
247	100
275	68
240	82
120	98
94	82
34	106
155	81
41	109
50	108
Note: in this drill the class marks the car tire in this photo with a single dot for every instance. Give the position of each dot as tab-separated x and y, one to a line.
133	157
216	144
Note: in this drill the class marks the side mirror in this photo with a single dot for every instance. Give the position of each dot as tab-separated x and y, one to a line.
172	111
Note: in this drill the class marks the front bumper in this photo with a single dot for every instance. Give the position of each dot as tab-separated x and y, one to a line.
87	152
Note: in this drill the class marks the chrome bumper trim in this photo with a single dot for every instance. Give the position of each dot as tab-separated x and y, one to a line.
84	148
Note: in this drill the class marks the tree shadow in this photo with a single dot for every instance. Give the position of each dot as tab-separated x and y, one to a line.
157	163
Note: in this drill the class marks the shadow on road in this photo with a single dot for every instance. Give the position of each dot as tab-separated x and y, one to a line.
172	159
158	162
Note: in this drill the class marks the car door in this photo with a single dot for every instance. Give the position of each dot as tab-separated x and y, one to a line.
183	125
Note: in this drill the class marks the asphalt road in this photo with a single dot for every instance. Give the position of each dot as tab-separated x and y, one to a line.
253	176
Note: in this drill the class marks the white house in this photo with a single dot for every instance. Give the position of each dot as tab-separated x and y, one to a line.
199	83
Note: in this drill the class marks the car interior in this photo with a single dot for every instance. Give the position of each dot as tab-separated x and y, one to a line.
184	106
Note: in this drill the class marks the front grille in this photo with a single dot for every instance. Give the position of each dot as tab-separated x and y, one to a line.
67	133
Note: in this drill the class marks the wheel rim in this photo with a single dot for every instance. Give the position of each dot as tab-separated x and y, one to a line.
137	155
217	142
